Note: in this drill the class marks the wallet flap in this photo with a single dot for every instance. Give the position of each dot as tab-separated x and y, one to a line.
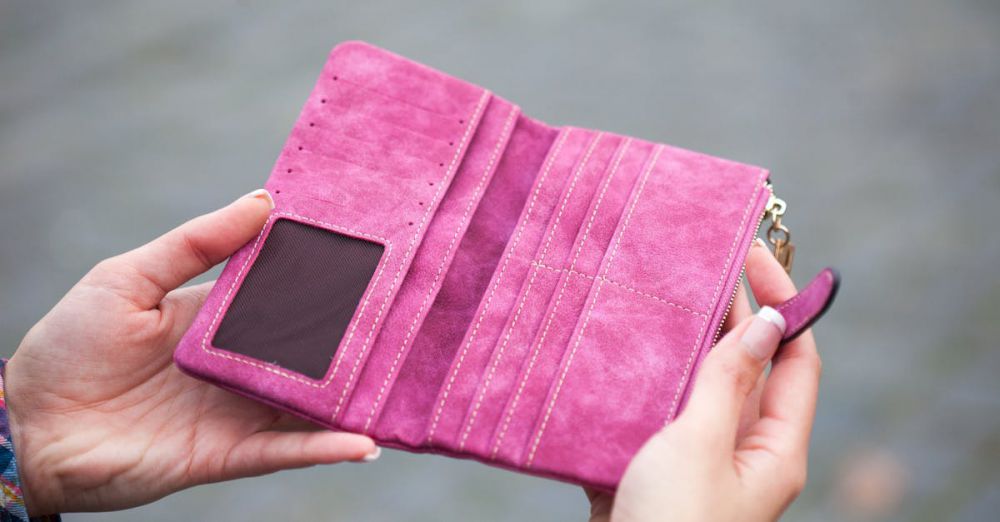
433	259
349	175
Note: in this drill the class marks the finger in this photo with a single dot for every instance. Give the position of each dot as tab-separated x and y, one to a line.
750	413
174	258
270	451
600	505
790	393
741	308
288	422
180	308
731	370
769	282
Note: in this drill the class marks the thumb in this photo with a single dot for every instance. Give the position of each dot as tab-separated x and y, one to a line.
174	258
731	370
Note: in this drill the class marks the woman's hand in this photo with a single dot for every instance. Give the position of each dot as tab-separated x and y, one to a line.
739	449
101	418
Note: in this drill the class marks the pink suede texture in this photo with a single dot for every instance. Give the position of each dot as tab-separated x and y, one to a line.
545	295
809	304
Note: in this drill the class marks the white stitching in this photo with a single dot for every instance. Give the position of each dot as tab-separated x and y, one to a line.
413	241
505	132
537	348
239	274
718	288
534	273
586	321
517	240
623	286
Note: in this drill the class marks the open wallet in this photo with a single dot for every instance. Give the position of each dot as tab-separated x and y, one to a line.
447	275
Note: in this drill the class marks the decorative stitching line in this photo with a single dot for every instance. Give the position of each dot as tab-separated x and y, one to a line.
517	240
504	133
413	240
623	286
239	274
520	307
593	303
718	288
537	348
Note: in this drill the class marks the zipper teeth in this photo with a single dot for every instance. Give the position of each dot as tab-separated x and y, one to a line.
743	269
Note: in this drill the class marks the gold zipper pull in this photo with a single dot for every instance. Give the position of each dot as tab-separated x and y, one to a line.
778	234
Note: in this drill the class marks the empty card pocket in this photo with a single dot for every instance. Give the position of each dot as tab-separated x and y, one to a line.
298	298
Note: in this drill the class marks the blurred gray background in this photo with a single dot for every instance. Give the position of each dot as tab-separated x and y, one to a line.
880	121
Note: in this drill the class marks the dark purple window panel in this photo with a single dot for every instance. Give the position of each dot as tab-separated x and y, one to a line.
298	298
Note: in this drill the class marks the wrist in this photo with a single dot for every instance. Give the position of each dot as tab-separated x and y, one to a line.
35	490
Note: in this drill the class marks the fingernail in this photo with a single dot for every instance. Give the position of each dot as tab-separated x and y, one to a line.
374	455
261	194
759	242
762	336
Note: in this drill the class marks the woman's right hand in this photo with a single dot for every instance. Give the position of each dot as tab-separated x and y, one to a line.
739	449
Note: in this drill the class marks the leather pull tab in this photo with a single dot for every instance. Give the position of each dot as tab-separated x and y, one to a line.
806	307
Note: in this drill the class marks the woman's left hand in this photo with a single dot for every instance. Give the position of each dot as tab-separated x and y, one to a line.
101	418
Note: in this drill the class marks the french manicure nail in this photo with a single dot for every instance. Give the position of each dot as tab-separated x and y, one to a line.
261	194
374	455
759	242
762	336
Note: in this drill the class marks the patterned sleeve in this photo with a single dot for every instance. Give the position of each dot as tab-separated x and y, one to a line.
11	500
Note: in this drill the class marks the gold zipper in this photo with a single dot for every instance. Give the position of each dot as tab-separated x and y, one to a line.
778	235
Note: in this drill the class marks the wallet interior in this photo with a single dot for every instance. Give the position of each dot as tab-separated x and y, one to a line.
448	275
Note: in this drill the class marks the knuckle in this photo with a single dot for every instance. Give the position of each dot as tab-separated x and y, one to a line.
104	269
737	374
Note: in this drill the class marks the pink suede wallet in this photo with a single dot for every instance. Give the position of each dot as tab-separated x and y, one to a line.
447	275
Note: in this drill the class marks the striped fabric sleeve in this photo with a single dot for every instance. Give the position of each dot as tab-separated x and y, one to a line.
11	498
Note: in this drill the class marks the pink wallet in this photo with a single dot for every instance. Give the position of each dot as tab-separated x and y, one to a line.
447	275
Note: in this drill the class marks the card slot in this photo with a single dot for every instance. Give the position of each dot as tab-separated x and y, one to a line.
349	163
519	340
520	402
627	355
479	335
705	200
227	333
684	323
409	406
520	440
300	324
329	140
460	390
349	185
432	260
400	140
340	102
398	78
373	92
410	236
